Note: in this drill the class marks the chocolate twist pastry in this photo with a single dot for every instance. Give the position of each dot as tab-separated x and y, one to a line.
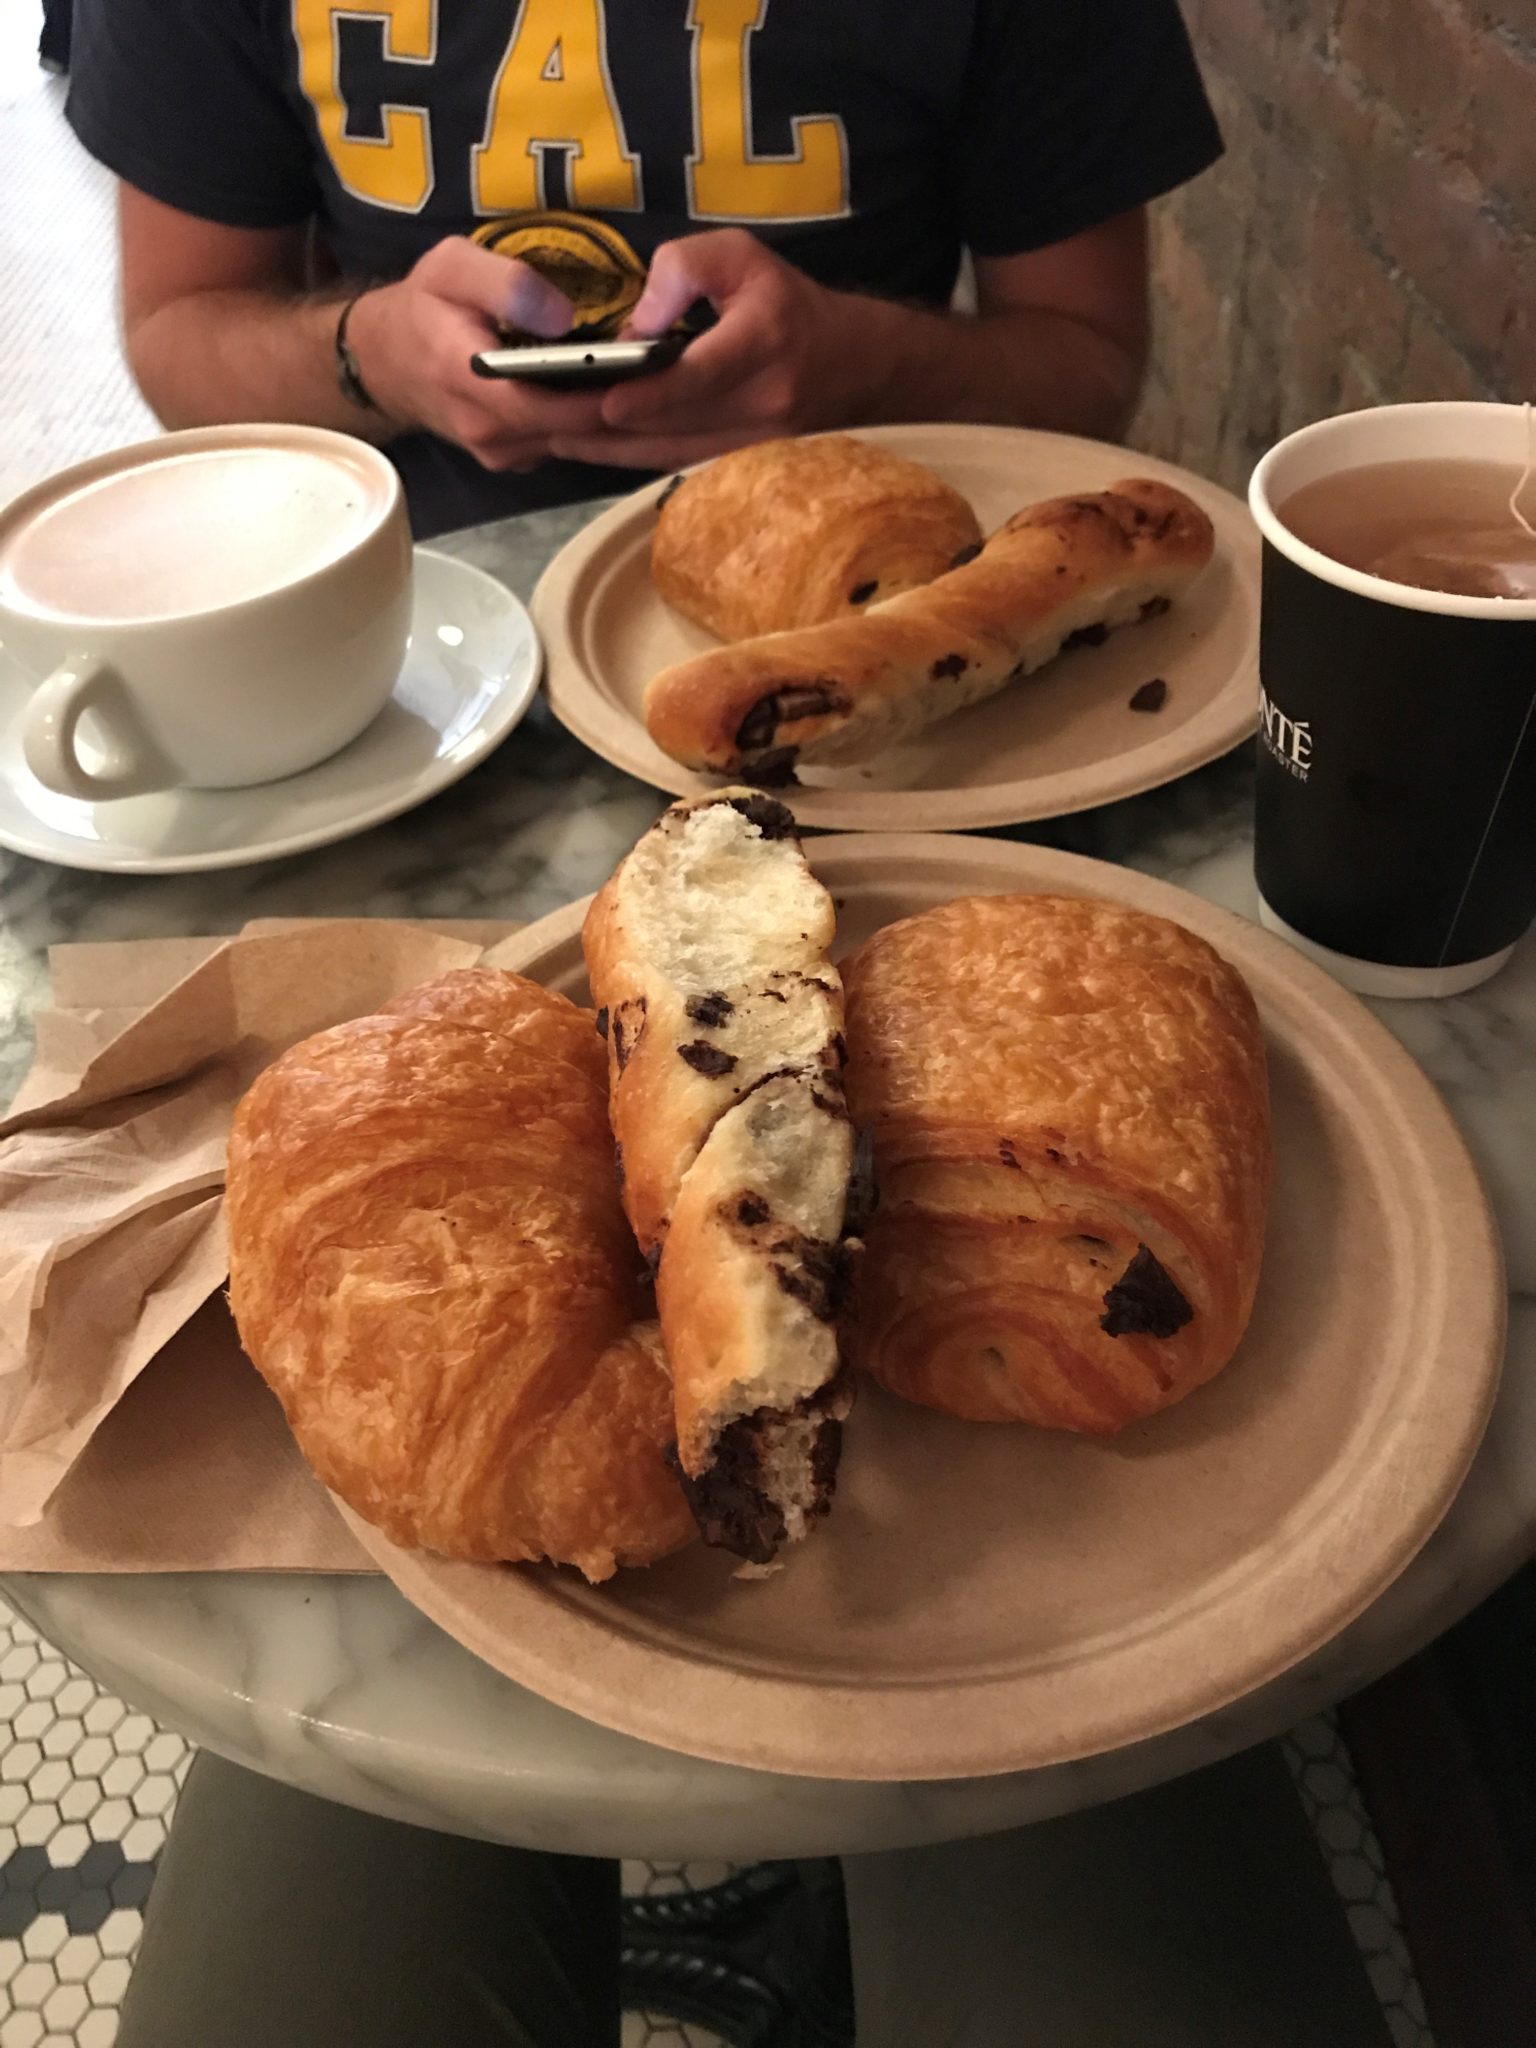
708	951
1070	569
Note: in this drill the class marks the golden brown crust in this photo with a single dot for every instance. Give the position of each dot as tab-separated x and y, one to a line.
1054	1084
791	533
843	691
429	1265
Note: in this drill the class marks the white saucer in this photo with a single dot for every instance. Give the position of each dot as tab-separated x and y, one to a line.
471	671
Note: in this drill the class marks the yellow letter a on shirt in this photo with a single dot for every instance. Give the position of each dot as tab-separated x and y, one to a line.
544	100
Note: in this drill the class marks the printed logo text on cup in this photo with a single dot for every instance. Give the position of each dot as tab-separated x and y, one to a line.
1288	739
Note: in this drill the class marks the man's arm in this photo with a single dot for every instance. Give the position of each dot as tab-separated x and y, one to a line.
1059	340
218	326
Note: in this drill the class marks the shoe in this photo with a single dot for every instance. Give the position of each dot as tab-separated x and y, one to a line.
761	1959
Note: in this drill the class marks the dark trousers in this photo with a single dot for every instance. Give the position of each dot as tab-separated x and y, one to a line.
1198	1915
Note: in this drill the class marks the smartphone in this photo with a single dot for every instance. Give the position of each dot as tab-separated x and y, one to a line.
580	365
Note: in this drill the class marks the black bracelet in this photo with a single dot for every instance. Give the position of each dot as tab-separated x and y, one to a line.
348	376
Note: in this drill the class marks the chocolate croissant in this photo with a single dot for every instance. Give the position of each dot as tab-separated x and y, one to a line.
1073	567
1070	1119
708	950
429	1266
791	533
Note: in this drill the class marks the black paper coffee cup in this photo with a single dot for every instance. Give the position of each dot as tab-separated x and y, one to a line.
1395	821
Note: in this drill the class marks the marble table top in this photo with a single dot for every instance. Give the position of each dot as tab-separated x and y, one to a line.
337	1685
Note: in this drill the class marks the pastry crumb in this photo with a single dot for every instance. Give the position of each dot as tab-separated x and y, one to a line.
756	1571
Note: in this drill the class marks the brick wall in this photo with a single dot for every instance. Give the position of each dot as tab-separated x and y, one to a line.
1370	234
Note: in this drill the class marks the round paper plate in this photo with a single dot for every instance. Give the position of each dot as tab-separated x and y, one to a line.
992	1598
1061	740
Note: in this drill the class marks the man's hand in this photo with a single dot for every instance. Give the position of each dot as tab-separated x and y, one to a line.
413	341
1058	341
783	358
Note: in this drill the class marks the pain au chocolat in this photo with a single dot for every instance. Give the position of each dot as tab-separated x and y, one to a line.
1070	1118
793	533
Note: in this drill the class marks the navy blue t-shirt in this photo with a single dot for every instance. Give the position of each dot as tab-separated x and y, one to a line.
868	141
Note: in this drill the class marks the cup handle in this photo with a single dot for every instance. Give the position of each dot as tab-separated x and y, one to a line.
50	722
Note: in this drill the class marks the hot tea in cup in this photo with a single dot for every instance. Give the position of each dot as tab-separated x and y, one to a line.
1395	820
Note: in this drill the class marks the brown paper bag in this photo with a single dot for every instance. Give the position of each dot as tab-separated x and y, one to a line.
111	1244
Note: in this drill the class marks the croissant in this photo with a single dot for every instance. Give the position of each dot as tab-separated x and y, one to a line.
708	950
789	533
1070	1120
430	1268
1070	568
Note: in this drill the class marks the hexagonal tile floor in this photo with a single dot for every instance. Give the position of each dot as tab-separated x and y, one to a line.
86	1792
1325	1778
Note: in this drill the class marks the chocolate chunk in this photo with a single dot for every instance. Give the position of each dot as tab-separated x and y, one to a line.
1145	1301
731	1509
785	707
710	1011
1087	636
602	1020
760	724
863	1193
728	1500
626	1027
773	770
967	554
1152	696
752	1210
773	820
861	593
1155	607
670	492
815	1273
707	1059
948	666
1008	1156
835	1051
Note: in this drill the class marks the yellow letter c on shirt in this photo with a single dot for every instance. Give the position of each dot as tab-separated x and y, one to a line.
396	171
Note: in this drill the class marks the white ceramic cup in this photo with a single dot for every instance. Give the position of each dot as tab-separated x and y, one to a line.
217	608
